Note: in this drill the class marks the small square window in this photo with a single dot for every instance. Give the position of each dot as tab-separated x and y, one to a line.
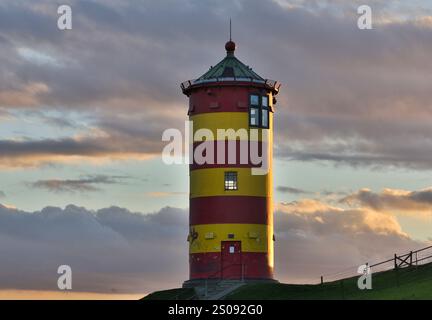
231	180
254	100
231	249
265	101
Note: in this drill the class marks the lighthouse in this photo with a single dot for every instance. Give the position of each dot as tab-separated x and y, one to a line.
231	216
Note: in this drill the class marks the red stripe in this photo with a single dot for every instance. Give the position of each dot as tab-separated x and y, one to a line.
223	96
229	209
217	99
237	162
208	265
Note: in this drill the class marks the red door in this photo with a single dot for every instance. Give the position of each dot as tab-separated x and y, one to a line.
231	260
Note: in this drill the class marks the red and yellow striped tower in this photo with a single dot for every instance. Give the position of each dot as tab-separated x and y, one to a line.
231	218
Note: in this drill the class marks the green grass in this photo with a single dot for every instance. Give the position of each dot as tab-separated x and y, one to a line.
407	283
172	294
403	284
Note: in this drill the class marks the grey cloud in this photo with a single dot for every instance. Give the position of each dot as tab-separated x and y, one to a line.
349	96
30	152
333	193
292	190
109	250
389	199
104	135
84	184
67	146
113	249
60	122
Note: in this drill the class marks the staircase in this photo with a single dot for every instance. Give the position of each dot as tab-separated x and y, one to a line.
217	290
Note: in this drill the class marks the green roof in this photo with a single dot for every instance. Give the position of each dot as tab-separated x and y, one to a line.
230	67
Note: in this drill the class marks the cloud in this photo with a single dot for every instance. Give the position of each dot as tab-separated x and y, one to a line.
114	249
292	190
108	250
2	194
162	194
84	184
352	221
96	137
27	95
314	239
32	152
349	96
417	203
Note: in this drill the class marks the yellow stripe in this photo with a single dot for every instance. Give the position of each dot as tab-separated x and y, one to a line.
228	120
253	237
211	182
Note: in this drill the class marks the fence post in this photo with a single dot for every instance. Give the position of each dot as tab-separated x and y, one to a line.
322	280
411	259
395	261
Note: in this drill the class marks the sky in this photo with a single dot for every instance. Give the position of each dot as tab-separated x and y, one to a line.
82	113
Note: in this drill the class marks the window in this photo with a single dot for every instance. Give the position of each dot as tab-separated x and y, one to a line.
254	117
264	118
265	101
254	100
259	111
231	180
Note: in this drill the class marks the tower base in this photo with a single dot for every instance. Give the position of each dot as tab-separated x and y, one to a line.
194	283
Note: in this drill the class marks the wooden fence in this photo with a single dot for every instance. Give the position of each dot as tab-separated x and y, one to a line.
413	258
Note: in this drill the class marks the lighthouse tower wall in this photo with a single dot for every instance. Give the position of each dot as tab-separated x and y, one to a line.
222	219
231	215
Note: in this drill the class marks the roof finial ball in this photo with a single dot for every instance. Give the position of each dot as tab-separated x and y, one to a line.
230	47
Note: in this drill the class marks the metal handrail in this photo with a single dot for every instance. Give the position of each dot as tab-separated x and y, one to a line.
273	84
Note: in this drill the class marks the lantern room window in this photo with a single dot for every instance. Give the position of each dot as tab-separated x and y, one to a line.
254	100
264	118
264	101
231	180
259	111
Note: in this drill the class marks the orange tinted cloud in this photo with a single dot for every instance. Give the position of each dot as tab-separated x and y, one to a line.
413	203
357	220
27	96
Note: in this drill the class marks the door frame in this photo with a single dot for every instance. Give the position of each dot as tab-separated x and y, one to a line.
240	255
